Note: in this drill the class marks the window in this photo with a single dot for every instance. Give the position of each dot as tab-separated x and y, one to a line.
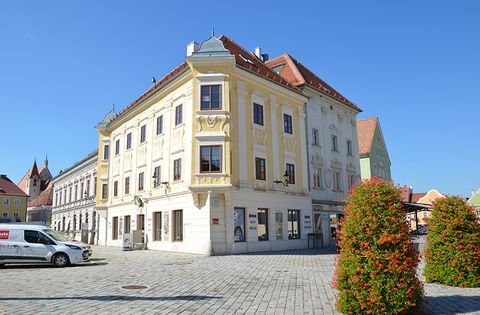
257	114
104	191
260	173
115	188
178	225
317	178
425	214
178	115
140	181
239	224
351	181
279	225
127	185
262	225
349	148
106	149
336	181
117	147
15	214
334	143
143	133
37	237
126	224
210	159
129	140
75	192
156	177
159	124
210	96
291	173
315	139
287	124
177	169
115	228
157	226
6	201
293	224
94	186
5	215
88	186
82	195
74	224
70	194
60	199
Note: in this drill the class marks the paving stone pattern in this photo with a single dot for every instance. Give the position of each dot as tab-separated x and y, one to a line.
290	282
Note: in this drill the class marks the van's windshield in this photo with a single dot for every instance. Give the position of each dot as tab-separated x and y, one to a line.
58	236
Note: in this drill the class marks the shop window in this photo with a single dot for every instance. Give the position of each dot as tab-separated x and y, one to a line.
157	226
115	228
262	224
293	224
239	224
178	225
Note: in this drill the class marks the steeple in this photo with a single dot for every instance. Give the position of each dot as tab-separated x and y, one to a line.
34	169
46	161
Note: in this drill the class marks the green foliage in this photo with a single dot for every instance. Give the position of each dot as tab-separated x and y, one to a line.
452	253
376	268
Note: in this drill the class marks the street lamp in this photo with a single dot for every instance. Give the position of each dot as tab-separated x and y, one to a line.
285	179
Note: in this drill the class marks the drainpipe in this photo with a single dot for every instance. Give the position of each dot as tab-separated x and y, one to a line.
305	109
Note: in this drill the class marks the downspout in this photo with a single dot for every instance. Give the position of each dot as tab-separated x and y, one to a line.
305	109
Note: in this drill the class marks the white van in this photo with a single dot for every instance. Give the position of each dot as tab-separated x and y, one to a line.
25	243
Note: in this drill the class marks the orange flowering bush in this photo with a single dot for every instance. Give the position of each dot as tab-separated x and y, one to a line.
452	254
376	269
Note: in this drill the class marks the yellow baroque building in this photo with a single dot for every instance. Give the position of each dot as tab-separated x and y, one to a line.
212	159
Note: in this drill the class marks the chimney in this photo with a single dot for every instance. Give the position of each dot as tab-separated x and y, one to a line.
258	52
192	47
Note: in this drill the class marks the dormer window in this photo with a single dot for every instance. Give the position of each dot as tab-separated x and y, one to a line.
211	97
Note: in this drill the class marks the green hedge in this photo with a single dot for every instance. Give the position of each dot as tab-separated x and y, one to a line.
376	269
452	253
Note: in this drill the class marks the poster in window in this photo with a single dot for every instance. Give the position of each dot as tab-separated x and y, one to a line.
166	227
239	224
279	225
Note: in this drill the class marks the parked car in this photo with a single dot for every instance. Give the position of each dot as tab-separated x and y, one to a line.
25	243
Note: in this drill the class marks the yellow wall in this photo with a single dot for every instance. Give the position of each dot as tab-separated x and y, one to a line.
11	208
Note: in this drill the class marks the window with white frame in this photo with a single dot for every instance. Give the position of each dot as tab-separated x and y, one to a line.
117	147
143	133
315	137
141	181
258	114
160	124
337	185
349	148
129	141
317	177
351	181
291	173
178	115
115	188
287	124
211	97
177	169
127	185
210	158
334	143
260	169
6	201
156	176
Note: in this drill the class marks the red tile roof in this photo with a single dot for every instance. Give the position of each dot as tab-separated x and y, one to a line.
7	187
366	131
417	196
250	62
299	75
34	169
162	82
44	199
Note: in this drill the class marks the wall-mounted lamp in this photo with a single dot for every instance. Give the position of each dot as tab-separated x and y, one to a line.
156	180
138	201
165	184
85	194
285	179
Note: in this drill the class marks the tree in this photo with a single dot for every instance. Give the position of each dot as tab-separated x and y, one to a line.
452	253
376	268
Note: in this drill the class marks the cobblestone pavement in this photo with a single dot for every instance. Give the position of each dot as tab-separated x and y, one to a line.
292	282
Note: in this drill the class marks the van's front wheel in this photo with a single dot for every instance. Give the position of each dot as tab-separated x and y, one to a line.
60	260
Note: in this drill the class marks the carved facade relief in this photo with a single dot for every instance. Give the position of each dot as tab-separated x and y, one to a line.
289	144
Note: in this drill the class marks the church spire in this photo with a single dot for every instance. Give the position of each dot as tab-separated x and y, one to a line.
46	161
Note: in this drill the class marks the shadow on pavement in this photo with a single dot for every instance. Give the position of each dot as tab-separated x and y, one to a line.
49	265
107	298
460	304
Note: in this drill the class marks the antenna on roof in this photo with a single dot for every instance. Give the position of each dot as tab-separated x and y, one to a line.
154	81
113	107
213	30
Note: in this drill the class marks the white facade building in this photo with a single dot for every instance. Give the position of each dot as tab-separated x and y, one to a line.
74	200
332	144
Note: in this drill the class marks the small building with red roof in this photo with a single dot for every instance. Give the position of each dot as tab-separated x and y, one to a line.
13	201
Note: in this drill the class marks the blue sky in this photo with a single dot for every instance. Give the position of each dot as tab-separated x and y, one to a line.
415	64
